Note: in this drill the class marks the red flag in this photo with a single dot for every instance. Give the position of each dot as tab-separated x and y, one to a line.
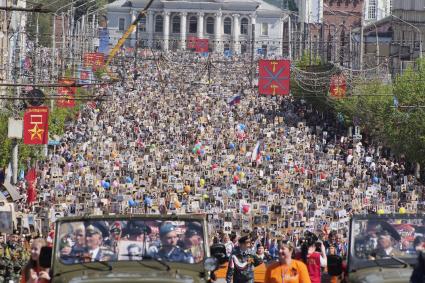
338	86
31	180
274	77
191	42
36	129
68	92
201	45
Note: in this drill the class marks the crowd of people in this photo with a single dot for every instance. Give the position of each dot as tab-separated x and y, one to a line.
185	133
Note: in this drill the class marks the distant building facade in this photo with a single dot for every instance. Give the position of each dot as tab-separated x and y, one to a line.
227	24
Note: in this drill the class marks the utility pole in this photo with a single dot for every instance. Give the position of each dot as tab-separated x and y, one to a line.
36	50
136	47
361	38
63	44
289	36
252	52
54	47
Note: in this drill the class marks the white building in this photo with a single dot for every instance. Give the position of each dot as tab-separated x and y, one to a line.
226	23
375	10
310	11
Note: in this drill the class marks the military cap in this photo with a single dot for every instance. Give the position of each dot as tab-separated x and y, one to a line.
193	228
244	239
92	229
166	228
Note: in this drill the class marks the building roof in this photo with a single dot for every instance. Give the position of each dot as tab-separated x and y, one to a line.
261	7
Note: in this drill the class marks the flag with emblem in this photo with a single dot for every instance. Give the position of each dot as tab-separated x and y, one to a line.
274	77
201	45
36	127
338	86
67	92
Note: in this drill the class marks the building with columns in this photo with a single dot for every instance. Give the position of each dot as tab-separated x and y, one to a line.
226	23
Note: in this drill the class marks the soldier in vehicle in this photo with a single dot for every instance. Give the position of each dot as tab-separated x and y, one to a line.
193	241
169	250
75	253
94	249
386	246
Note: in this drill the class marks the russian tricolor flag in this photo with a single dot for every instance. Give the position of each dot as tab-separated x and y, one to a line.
235	100
256	154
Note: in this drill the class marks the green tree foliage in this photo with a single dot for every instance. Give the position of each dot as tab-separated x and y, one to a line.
400	128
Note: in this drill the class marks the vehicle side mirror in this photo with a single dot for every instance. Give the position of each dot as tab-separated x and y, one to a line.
45	258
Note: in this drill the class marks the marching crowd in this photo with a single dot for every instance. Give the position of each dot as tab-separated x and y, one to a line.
184	133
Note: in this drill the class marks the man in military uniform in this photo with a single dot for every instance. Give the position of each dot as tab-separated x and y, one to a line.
193	241
169	250
14	256
242	263
94	240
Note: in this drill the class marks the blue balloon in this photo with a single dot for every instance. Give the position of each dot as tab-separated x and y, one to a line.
148	201
238	168
106	185
242	127
231	145
375	180
268	157
202	151
131	203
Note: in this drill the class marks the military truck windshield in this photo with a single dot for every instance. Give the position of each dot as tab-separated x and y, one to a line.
130	240
383	238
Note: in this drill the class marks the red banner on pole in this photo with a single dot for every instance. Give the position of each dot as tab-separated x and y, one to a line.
95	60
338	86
36	125
274	77
201	45
191	42
68	93
31	180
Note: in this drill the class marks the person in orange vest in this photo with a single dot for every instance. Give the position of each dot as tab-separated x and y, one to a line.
287	270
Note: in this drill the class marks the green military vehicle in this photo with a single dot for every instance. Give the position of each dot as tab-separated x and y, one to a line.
136	248
384	248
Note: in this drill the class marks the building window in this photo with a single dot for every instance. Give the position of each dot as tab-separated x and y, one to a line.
121	24
227	26
176	24
210	25
264	29
159	24
244	26
193	25
142	24
372	9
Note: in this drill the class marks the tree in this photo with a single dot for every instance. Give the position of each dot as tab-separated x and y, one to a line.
400	128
